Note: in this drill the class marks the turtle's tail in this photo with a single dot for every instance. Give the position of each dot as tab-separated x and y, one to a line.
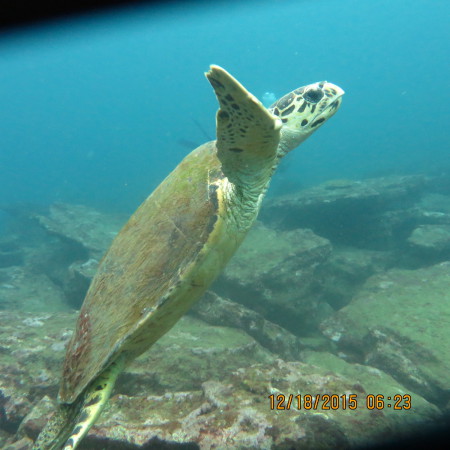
70	423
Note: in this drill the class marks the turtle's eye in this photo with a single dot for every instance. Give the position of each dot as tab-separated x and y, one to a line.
313	95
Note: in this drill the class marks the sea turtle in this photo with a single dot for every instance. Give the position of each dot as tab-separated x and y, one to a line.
177	242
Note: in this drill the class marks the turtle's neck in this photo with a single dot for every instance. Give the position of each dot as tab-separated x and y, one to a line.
248	183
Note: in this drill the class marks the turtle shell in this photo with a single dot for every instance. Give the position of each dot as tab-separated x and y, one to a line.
150	275
178	240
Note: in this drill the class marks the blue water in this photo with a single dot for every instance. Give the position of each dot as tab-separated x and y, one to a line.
97	110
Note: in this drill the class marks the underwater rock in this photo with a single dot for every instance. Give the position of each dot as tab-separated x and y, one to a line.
22	289
431	240
35	420
275	274
219	311
189	354
77	279
434	208
440	183
85	235
23	444
202	386
398	323
92	229
32	349
11	253
32	263
347	269
42	259
348	212
237	412
370	380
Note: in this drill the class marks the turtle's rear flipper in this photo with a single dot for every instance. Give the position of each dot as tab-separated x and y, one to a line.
57	429
70	423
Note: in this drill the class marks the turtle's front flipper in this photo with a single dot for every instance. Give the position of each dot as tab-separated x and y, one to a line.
70	423
247	133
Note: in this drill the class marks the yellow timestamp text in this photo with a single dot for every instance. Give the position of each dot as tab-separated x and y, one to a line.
325	402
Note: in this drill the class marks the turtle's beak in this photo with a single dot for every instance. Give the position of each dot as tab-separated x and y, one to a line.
334	95
339	92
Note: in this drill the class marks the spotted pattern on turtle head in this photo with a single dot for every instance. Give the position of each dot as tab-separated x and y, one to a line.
311	101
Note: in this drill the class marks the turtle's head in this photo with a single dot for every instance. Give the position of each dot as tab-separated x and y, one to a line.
303	111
